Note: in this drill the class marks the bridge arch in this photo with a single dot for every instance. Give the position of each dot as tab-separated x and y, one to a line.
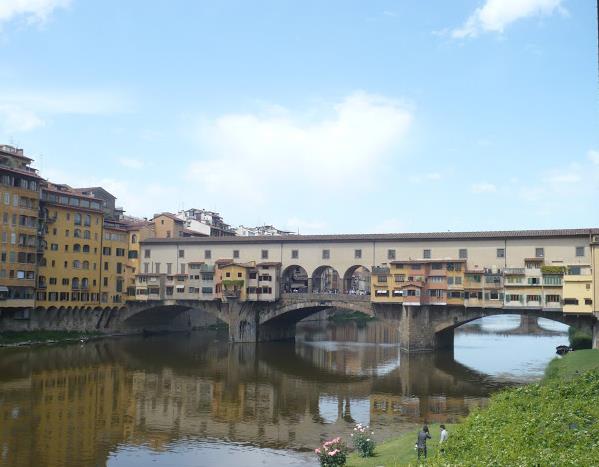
294	278
325	279
356	280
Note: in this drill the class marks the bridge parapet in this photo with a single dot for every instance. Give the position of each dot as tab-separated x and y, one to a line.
338	297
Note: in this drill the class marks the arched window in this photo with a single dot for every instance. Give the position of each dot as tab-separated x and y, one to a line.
77	218
88	220
85	265
85	283
85	248
134	238
86	234
77	247
43	262
75	283
77	233
77	264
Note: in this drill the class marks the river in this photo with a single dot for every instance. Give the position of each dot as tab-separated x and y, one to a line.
194	400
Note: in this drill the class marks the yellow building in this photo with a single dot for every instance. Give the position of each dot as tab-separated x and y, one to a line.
578	290
115	246
70	270
137	231
19	213
232	279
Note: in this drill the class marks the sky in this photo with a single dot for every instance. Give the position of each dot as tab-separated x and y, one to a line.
319	117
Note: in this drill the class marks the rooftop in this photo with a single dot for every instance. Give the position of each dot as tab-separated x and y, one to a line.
476	235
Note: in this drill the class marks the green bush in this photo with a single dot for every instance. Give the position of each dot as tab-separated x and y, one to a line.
579	340
554	423
363	440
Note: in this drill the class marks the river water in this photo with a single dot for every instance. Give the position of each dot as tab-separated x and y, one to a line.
194	400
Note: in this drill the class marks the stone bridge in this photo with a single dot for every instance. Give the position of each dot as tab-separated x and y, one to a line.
425	327
421	327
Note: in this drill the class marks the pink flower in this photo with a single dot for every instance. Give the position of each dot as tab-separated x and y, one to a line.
332	453
317	451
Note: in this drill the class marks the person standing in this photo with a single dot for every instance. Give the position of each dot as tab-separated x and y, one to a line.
443	439
423	435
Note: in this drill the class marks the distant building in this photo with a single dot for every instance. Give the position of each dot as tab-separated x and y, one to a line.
205	222
261	230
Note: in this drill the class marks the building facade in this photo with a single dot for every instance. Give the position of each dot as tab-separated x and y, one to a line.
20	191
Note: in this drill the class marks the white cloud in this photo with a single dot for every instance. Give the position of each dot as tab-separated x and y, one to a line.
131	163
15	119
593	156
564	178
32	10
315	163
496	15
22	111
427	177
483	187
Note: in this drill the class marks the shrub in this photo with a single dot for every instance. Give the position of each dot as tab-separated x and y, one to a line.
332	453
579	340
363	441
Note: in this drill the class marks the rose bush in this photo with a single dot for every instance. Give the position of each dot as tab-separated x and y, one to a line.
332	453
363	440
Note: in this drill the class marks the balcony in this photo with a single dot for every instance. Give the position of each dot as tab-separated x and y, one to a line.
514	271
232	293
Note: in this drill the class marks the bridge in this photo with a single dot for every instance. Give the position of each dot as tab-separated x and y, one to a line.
421	328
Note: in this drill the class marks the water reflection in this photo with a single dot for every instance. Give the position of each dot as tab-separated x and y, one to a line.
133	401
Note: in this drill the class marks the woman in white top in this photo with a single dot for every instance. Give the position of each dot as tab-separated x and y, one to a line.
443	439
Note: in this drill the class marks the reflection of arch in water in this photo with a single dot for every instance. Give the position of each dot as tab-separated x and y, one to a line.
357	280
294	279
325	279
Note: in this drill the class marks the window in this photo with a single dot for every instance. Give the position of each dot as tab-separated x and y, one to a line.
390	254
88	220
181	253
539	252
533	298
87	234
552	279
134	238
570	301
227	274
294	254
120	251
264	254
588	301
146	268
463	253
426	254
77	264
106	251
156	267
169	268
574	270
206	290
76	247
182	268
77	218
501	252
147	253
239	274
513	298
358	254
77	233
552	298
105	265
235	254
326	254
382	279
579	251
253	274
207	254
437	266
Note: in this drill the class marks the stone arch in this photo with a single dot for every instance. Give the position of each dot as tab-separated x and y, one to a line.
294	278
356	280
325	279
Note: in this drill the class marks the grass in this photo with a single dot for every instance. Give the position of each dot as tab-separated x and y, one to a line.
555	422
19	337
399	451
573	364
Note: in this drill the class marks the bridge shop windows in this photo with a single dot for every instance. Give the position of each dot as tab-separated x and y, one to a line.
463	253
294	254
326	254
539	252
390	254
207	254
264	254
501	252
235	254
579	251
147	253
426	254
181	253
358	254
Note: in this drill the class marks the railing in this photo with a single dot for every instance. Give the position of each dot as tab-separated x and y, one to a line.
514	270
326	296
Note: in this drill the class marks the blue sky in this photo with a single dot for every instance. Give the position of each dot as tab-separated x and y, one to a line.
337	116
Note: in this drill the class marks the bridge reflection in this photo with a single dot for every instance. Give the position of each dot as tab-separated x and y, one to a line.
75	405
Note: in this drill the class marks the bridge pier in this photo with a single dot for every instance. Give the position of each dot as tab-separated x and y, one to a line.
417	330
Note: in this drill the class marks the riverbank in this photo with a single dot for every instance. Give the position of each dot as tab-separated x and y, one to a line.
553	422
399	451
22	338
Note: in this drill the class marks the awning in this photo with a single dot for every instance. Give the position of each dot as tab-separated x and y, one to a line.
3	288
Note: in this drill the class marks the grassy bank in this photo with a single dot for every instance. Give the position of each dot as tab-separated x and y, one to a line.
399	451
572	365
36	337
553	422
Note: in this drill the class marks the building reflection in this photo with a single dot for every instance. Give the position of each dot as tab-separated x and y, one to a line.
78	405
